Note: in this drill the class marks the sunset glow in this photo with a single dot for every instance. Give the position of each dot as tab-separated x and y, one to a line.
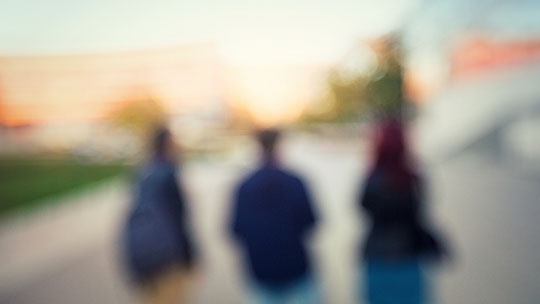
268	58
274	94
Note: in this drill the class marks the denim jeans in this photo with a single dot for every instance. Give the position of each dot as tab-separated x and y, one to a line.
301	291
389	282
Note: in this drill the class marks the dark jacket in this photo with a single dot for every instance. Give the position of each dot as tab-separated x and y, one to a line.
156	234
271	215
397	228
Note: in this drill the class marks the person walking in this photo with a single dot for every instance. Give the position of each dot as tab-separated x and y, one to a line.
157	243
272	217
398	242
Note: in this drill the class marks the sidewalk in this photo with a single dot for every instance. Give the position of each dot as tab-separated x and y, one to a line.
37	245
68	253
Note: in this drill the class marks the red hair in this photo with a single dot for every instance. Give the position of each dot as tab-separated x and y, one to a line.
391	155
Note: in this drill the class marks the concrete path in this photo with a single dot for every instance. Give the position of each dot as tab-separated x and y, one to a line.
68	254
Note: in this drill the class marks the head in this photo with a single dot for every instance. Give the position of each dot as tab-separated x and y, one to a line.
268	140
163	142
389	144
391	152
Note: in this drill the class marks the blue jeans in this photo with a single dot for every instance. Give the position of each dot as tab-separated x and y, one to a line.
389	282
300	291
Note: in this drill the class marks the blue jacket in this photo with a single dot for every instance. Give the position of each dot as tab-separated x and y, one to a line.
156	234
272	213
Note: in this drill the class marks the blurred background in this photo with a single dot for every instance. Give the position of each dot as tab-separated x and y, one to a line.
82	84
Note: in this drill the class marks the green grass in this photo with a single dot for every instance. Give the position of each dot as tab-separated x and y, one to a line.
25	182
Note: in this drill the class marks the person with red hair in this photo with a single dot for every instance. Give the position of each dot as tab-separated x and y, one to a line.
398	240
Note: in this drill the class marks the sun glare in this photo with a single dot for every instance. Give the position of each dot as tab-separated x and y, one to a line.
273	95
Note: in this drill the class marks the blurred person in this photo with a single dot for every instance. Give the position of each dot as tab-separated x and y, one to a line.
158	246
398	246
272	215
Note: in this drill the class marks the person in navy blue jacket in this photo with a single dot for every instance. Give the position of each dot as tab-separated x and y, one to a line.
271	217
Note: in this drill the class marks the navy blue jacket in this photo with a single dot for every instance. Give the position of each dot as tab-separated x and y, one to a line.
272	213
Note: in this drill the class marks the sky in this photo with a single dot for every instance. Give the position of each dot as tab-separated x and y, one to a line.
246	32
271	48
268	44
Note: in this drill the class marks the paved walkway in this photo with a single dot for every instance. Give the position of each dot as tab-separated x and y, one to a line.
67	254
38	249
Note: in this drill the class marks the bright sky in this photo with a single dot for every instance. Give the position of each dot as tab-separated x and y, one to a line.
246	31
249	35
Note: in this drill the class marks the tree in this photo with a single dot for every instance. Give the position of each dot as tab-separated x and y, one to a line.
377	91
138	115
384	92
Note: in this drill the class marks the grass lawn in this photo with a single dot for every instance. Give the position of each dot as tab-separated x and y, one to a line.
24	182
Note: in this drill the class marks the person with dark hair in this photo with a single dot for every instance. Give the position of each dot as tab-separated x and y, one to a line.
158	247
271	217
398	241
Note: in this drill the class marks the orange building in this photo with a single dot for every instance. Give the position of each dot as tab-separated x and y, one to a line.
477	54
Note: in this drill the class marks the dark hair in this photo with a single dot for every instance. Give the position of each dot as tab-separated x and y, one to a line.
159	140
268	138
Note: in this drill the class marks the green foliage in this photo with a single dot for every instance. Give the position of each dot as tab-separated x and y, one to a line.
378	92
384	93
346	96
140	115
